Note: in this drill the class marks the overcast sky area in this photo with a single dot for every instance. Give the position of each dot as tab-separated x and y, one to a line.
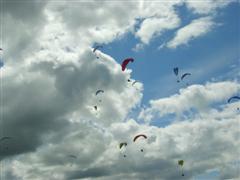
51	74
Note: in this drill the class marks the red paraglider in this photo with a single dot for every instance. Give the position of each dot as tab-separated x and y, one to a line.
140	135
125	63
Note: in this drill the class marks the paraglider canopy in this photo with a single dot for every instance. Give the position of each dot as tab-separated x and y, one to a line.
181	162
138	136
134	83
99	91
125	63
122	144
5	138
232	98
97	47
72	156
175	70
184	75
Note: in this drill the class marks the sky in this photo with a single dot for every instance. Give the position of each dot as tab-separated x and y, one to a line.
51	73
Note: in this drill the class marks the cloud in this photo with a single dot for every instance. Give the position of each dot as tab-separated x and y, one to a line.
56	85
48	93
195	97
156	18
196	28
29	17
208	6
188	140
155	26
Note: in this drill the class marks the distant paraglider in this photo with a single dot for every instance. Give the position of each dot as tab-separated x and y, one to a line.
181	163
97	47
123	144
134	83
232	98
99	91
73	157
125	63
5	138
175	70
184	75
138	136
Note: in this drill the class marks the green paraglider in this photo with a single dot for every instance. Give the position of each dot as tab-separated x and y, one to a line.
123	144
181	163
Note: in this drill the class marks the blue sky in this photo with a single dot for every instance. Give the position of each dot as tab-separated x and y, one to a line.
217	50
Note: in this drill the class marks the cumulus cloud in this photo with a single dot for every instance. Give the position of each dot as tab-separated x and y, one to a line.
55	84
155	26
188	140
208	6
196	28
195	97
48	90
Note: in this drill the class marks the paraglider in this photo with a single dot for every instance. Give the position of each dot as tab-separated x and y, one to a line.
180	163
138	136
175	70
125	63
97	47
184	75
73	157
5	138
232	98
95	107
99	91
123	144
134	83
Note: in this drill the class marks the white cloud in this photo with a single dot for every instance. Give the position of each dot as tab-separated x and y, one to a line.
155	26
196	28
205	144
157	18
207	6
50	80
198	97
